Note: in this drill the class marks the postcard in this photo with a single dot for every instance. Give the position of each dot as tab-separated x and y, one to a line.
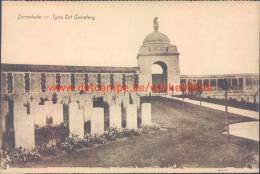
129	87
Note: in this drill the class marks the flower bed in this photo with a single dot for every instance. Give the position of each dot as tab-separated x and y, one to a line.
52	147
10	157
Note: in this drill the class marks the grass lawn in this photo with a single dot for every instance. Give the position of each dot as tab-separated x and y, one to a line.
190	137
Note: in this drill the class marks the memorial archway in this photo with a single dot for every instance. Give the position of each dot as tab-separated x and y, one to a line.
159	77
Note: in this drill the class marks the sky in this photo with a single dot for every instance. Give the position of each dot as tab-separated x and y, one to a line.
211	37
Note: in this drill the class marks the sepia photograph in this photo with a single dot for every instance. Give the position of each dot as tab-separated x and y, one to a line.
129	87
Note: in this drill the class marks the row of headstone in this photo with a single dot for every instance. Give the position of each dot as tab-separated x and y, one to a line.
25	119
48	110
122	98
77	117
78	114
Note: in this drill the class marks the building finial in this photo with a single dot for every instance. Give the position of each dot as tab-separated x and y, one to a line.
155	24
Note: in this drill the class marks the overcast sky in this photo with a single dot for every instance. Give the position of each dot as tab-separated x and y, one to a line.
212	38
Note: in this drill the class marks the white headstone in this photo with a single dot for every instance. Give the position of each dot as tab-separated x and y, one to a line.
4	110
138	101
49	109
115	118
110	100
24	132
39	113
57	117
119	99
126	100
23	127
76	120
146	114
88	109
97	121
131	116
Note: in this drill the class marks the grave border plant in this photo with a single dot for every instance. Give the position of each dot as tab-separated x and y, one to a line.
10	157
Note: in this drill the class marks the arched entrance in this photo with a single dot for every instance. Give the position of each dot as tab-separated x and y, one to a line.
159	77
158	50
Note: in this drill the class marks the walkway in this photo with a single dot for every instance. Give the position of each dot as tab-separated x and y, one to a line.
249	130
242	112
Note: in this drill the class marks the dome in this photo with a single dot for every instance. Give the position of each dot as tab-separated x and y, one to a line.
156	37
157	43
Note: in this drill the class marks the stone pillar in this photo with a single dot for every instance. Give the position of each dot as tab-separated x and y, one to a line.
35	82
65	81
97	121
92	78
129	81
146	114
115	116
131	116
19	83
80	82
117	80
50	80
76	120
23	127
244	84
238	84
105	79
231	85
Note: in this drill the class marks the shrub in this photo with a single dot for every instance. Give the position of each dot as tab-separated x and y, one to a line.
119	132
45	134
88	141
100	139
131	132
111	134
135	132
49	148
10	157
71	143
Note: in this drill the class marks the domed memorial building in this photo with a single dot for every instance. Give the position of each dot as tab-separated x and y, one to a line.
157	49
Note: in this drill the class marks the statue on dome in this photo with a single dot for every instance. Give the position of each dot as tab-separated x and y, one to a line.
155	24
